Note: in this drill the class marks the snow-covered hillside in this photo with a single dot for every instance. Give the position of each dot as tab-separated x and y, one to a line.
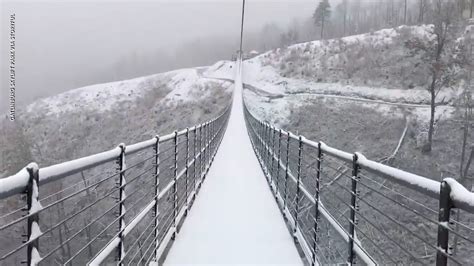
379	59
376	70
98	117
183	85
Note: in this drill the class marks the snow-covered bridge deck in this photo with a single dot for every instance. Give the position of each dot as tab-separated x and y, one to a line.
236	219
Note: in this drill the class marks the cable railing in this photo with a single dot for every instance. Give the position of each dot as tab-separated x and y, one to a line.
122	206
344	208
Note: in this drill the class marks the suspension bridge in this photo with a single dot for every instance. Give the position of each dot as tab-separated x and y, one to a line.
232	190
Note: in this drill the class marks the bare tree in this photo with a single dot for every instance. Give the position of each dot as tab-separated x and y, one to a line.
439	54
405	12
443	20
344	17
421	11
464	165
471	8
341	16
467	106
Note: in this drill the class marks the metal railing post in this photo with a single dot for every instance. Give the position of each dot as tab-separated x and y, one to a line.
121	185
264	151
216	128
355	172
445	205
206	152
33	206
175	184
208	145
212	138
298	182
256	128
278	163
285	185
187	170
267	151
260	139
205	149
211	142
255	133
200	154
195	162
156	232
262	147
272	155
214	135
211	152
204	142
316	204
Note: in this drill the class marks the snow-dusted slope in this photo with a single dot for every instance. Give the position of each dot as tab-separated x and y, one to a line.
189	85
377	59
95	118
375	65
183	85
375	70
100	97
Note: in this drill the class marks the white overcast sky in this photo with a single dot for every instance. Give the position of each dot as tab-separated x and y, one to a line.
58	41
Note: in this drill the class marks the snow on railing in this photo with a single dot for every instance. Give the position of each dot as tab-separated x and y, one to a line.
151	195
368	214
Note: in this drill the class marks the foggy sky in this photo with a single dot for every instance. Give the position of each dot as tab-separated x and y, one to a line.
61	44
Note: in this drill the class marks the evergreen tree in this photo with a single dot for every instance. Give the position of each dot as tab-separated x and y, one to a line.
322	14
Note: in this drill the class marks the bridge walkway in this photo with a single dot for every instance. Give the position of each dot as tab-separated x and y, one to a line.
235	220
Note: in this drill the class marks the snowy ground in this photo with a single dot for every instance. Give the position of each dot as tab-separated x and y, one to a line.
235	219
